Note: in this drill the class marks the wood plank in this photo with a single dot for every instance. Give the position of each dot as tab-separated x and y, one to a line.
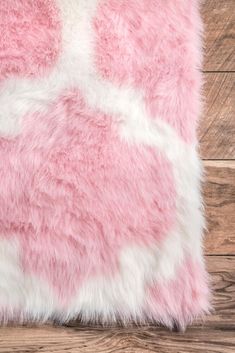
138	340
222	271
219	19
217	126
219	197
215	335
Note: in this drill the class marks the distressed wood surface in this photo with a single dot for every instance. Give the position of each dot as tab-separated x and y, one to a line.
222	271
94	340
217	125
219	44
219	197
216	334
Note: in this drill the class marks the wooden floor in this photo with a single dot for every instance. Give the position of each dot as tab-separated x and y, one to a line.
217	138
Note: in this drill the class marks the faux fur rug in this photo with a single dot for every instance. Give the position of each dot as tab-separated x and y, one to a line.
100	203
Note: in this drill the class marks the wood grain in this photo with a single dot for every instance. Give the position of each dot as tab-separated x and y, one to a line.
215	335
217	126
219	19
219	196
139	340
222	272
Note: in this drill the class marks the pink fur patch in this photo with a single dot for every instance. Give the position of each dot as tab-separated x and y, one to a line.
180	300
161	57
82	192
30	37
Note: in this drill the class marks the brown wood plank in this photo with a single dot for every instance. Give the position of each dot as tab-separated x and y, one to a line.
219	196
219	19
217	126
222	271
139	340
215	335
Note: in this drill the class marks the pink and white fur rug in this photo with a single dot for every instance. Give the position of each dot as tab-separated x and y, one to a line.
100	203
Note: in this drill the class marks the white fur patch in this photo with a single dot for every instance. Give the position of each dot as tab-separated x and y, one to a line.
22	295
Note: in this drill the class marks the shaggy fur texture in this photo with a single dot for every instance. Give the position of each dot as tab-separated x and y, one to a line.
100	205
